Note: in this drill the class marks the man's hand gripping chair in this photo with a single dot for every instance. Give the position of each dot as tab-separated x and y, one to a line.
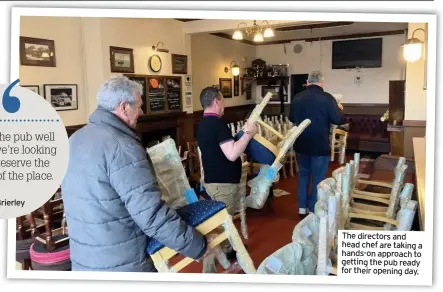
206	216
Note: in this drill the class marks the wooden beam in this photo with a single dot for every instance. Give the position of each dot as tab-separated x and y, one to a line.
229	37
334	37
186	19
314	26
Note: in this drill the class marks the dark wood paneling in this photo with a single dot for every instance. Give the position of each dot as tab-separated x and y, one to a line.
365	108
396	101
412	129
413	123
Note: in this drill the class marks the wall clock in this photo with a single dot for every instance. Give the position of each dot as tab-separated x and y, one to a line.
155	63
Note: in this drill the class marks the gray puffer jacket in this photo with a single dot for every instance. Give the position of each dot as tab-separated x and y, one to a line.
113	203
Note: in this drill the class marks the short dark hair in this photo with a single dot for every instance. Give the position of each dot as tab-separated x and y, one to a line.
208	95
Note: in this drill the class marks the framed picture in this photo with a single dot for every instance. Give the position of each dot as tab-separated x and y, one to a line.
34	88
37	52
226	87
61	96
179	64
236	85
122	60
275	99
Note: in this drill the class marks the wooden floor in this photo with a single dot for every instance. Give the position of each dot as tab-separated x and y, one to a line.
269	229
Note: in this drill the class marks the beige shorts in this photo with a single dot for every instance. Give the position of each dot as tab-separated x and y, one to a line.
227	193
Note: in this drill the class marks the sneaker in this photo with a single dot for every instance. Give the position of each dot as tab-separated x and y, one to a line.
231	256
302	211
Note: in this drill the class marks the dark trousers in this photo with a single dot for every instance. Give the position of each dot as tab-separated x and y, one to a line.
310	167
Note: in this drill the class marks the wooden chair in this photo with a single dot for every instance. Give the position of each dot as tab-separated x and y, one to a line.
206	216
194	165
377	202
391	219
50	250
257	197
338	143
28	227
326	210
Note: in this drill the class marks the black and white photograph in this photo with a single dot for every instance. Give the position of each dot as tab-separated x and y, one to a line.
37	52
62	97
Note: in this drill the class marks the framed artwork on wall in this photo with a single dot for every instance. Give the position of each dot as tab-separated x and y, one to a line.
276	90
122	60
34	88
225	87
179	64
37	52
61	96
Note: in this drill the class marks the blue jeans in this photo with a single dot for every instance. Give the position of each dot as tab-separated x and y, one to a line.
314	167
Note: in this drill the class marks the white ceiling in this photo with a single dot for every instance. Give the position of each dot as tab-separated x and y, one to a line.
355	28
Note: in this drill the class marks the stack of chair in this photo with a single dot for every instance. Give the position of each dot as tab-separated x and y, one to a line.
375	211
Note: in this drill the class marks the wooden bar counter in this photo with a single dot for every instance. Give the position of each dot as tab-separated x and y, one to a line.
420	173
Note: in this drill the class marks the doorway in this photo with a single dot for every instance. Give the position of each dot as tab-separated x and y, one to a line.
298	83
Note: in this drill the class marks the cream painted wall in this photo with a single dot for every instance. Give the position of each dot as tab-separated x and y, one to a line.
67	35
318	56
415	101
82	52
210	55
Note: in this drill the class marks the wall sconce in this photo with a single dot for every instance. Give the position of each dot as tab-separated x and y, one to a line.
235	69
413	47
157	49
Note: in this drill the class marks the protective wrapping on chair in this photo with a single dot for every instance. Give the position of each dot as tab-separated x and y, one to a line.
261	185
397	201
306	233
406	216
326	210
326	188
285	261
170	173
323	263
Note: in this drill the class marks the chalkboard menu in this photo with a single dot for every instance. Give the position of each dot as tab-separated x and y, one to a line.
156	94
142	81
161	94
173	93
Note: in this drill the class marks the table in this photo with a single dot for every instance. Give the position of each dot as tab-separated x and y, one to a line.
419	145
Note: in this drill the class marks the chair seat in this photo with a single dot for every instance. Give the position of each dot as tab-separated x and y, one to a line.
194	214
256	151
40	254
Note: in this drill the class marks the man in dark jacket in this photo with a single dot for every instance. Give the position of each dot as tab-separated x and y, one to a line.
312	147
111	196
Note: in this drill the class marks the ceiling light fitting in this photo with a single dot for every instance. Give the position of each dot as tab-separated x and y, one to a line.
259	31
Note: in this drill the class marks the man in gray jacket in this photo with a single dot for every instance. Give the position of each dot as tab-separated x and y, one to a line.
111	197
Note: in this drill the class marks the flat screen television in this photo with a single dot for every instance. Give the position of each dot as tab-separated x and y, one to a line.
362	53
